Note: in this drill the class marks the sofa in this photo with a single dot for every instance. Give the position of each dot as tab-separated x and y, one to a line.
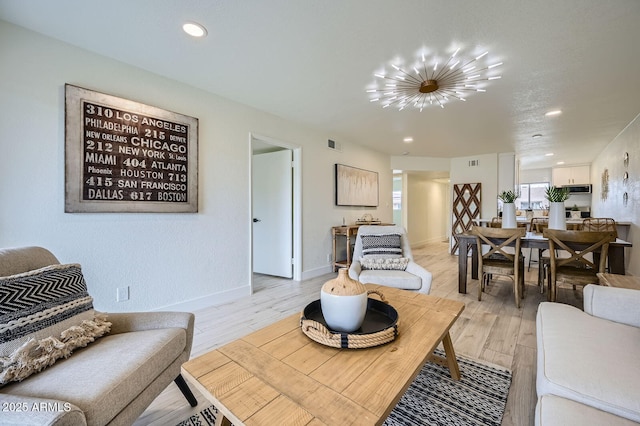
388	252
112	379
588	362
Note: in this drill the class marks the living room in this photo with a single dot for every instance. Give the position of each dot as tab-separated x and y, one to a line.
192	261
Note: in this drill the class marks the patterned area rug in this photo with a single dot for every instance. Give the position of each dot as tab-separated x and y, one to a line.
433	398
206	417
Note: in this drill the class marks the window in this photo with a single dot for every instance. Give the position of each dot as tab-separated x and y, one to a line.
532	196
397	199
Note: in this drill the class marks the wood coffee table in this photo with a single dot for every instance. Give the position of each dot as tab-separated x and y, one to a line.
620	281
278	375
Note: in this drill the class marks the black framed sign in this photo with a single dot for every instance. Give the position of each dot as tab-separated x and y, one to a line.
124	156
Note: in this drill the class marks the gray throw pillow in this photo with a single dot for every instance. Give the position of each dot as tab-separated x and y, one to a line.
383	245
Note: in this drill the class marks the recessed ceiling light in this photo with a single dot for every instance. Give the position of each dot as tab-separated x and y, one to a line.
554	112
549	154
194	29
405	153
537	135
408	139
560	163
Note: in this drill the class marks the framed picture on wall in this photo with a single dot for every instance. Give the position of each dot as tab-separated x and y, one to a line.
124	156
356	187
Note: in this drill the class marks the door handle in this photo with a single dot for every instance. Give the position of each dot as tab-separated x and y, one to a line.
256	220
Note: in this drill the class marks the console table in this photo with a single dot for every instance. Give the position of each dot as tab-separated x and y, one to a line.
346	231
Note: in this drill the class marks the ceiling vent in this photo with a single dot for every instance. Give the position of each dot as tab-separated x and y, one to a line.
334	145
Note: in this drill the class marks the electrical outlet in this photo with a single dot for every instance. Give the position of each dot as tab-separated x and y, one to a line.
122	294
329	258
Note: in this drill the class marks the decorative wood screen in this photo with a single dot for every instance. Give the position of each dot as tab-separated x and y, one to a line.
466	209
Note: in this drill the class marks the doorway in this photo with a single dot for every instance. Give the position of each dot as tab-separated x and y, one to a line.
275	208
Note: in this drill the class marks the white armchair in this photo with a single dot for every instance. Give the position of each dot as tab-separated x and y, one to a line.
109	382
414	277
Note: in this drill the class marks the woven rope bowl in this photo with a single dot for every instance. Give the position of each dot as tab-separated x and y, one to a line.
380	326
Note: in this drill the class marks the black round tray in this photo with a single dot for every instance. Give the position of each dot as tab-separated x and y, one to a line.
379	317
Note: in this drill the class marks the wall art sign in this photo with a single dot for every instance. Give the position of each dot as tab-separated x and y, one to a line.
124	156
356	187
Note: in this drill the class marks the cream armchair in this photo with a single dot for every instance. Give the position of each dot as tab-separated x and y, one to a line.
109	382
414	277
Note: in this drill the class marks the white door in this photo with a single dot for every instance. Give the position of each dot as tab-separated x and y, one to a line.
272	200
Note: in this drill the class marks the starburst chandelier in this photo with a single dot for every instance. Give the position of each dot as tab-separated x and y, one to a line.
429	81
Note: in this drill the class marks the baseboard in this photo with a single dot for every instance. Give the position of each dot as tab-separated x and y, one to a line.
230	295
438	239
208	300
313	273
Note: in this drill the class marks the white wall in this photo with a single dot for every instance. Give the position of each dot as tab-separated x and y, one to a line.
506	171
426	201
164	258
486	172
420	163
535	175
428	209
611	159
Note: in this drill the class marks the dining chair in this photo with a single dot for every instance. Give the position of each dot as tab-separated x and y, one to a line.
497	260
537	226
496	222
599	224
579	268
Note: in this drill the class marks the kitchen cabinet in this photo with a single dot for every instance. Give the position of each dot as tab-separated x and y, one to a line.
578	175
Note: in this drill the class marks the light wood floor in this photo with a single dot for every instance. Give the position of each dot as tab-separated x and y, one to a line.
493	329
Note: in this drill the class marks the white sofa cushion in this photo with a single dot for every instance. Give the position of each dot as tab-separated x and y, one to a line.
616	304
391	278
588	359
552	410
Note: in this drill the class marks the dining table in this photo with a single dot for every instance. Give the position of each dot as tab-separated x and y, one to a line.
622	227
467	242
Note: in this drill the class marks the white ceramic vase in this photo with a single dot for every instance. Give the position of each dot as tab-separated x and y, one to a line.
557	216
509	215
343	302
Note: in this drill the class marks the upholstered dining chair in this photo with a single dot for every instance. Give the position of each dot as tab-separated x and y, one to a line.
579	268
382	255
502	258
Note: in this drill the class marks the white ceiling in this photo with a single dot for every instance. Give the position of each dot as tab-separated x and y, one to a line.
311	62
